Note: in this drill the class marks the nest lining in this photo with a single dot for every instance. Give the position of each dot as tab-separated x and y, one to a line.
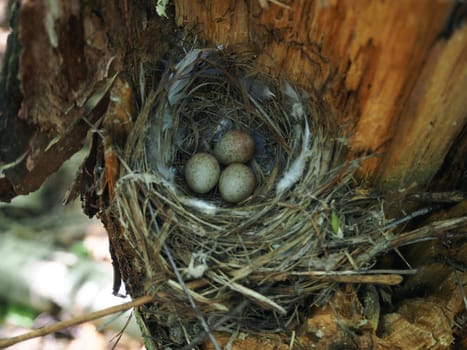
247	261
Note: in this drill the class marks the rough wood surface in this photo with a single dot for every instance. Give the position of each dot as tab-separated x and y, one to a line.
435	113
417	323
395	71
59	62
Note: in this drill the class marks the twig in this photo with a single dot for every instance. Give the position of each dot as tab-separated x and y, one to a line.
389	280
190	299
75	321
251	294
437	197
409	217
385	277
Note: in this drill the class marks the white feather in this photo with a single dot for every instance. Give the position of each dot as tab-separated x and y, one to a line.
200	205
257	88
147	178
180	77
298	109
295	171
197	271
289	91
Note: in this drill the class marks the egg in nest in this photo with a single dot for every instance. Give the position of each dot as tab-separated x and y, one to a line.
237	182
202	172
235	146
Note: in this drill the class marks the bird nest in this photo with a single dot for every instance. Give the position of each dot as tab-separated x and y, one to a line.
255	265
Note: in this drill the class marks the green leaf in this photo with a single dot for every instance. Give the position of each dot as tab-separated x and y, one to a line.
80	250
20	315
335	224
161	8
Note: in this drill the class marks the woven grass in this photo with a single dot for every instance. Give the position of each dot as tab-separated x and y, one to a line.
257	265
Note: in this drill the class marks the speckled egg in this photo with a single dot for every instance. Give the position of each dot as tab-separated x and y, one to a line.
236	146
202	172
237	183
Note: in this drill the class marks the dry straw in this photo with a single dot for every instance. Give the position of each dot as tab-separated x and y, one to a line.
254	266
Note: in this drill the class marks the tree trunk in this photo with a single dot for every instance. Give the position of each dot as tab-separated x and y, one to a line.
394	72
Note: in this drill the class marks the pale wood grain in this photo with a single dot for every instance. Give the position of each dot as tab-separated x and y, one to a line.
368	59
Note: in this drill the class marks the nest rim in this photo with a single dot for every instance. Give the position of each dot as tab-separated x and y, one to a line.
255	249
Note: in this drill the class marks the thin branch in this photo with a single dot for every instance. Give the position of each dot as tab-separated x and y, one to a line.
409	217
75	321
389	280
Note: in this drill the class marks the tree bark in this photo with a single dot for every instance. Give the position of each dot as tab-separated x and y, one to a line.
56	78
395	72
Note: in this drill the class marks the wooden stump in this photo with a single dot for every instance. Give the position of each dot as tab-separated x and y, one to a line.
395	73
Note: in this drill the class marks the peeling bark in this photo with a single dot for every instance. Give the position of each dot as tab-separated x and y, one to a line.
59	55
